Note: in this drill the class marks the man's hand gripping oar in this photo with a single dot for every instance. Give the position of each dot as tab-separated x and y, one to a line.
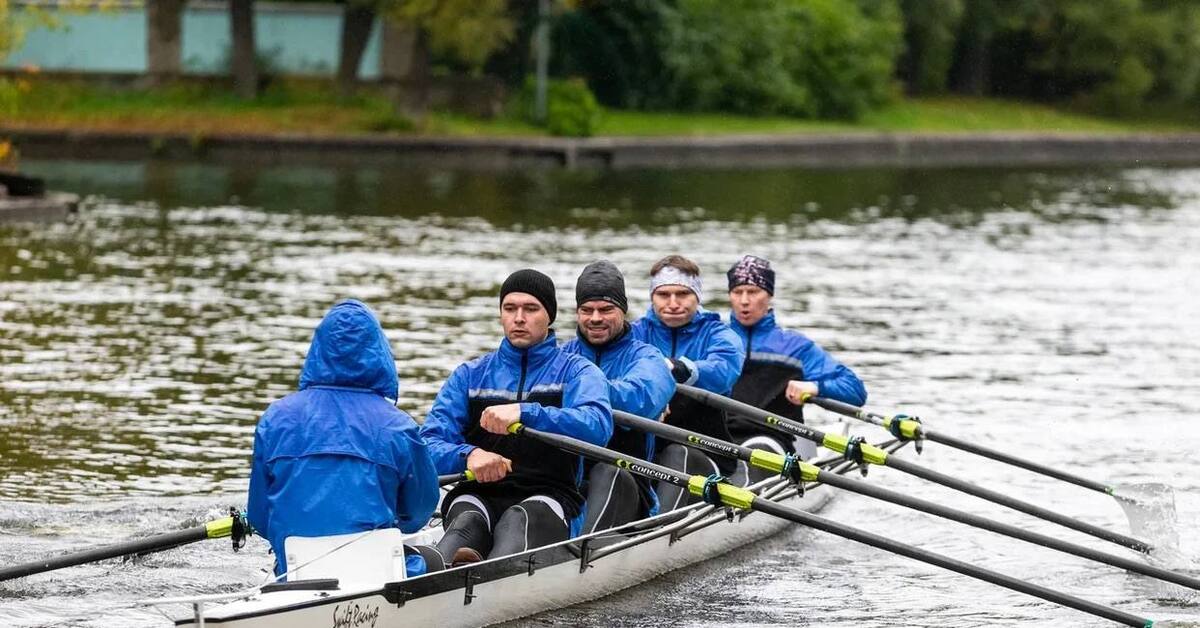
716	492
859	451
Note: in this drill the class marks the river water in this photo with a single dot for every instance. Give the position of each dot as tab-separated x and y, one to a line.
1053	313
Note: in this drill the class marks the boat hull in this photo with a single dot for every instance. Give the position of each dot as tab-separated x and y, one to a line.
517	586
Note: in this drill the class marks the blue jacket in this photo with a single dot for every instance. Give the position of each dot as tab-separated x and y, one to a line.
776	356
640	383
558	392
714	355
711	350
337	456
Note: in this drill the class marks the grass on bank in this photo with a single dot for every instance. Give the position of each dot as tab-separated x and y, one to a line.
309	107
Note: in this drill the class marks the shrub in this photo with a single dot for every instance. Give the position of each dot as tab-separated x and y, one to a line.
571	109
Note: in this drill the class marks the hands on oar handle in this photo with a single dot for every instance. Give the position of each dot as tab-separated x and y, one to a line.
487	466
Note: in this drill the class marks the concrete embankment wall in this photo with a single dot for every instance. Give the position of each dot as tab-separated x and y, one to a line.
842	150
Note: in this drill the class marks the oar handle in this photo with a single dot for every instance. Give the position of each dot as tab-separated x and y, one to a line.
454	478
211	530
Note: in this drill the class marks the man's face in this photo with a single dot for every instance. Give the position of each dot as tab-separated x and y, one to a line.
750	303
599	321
524	319
675	305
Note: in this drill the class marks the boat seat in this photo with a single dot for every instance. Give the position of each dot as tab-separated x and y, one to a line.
373	557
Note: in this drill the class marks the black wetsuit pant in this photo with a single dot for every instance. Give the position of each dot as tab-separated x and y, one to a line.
613	498
498	527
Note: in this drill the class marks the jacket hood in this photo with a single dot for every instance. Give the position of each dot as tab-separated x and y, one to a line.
349	349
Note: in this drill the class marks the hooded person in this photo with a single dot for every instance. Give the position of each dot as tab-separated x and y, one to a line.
337	456
638	383
701	351
526	493
782	367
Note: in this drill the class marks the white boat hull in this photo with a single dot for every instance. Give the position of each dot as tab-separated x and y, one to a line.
511	596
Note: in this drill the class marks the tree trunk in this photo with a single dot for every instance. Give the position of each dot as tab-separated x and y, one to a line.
164	41
356	29
970	74
245	66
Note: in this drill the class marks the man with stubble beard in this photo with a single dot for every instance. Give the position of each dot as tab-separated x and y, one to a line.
638	383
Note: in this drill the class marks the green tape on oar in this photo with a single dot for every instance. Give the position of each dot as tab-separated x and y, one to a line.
720	493
803	472
867	453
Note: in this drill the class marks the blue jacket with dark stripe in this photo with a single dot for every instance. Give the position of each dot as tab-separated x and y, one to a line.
558	392
638	383
775	356
713	353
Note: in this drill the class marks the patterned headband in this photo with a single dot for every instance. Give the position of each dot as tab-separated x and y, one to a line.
671	276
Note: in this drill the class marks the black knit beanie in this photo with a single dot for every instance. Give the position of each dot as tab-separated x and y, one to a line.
535	284
601	280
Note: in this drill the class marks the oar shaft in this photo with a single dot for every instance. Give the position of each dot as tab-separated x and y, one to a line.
150	544
1028	465
855	412
877	456
945	562
1016	504
746	454
901	499
736	497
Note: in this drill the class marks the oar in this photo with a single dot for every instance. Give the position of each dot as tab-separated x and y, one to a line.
454	478
234	525
799	471
720	493
857	450
908	428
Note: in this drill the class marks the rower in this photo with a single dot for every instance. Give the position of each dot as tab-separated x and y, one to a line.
782	367
338	457
701	351
638	383
525	494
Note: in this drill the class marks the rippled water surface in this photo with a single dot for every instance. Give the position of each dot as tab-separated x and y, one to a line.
1053	313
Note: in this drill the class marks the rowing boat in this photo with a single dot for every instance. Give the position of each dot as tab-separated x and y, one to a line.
501	589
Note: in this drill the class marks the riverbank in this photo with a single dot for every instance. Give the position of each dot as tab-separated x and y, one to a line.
306	122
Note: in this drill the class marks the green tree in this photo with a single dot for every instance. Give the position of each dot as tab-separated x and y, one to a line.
931	29
467	31
808	58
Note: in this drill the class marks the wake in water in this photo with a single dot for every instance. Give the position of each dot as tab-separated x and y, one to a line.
1150	509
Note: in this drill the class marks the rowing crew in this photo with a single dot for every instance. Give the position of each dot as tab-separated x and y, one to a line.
338	456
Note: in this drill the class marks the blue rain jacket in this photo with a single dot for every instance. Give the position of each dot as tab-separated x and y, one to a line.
640	383
768	343
337	457
712	351
714	355
558	392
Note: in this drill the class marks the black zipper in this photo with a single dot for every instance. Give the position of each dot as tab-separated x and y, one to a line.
524	366
674	338
598	353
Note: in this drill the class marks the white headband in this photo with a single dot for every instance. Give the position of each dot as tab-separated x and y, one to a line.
671	276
